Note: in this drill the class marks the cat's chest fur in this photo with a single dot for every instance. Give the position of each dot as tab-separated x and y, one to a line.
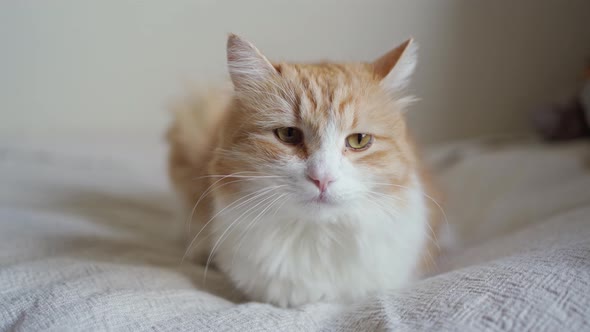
293	259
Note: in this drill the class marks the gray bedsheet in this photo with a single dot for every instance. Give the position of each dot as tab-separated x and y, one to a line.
87	244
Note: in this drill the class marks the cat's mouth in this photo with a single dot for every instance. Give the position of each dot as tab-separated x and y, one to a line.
323	199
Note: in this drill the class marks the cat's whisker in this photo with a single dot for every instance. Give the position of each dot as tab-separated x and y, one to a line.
433	261
380	201
239	218
386	196
247	229
221	237
230	206
427	250
205	194
392	212
267	208
249	226
243	200
281	205
389	210
235	173
239	176
432	238
209	189
421	192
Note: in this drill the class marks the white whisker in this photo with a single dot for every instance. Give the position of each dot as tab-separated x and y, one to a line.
231	206
432	238
424	194
386	205
218	242
239	176
245	232
281	205
205	194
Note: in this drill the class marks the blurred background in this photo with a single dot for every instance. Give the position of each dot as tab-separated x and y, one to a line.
115	66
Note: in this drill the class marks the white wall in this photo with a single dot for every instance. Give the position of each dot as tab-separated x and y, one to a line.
115	65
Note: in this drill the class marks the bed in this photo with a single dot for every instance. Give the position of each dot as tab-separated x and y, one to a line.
88	242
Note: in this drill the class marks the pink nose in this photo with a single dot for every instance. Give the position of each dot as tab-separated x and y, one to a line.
321	182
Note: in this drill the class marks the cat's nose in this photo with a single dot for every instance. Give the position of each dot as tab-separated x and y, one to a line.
321	181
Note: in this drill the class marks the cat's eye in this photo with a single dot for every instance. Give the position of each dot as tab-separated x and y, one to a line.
289	135
359	141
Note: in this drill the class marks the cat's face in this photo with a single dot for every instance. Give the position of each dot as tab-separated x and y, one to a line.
319	137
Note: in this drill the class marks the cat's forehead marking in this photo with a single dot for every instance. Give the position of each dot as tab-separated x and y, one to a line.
327	95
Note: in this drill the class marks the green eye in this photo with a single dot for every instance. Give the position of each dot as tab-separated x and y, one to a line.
289	135
359	141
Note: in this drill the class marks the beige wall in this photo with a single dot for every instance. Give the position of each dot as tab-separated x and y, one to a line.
114	65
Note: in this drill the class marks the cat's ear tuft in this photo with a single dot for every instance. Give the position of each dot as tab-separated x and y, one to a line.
246	64
396	66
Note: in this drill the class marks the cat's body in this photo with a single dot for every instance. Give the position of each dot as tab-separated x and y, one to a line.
308	186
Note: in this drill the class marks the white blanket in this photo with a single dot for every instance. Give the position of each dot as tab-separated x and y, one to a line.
87	243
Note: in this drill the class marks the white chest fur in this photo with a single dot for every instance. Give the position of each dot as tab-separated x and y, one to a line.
290	260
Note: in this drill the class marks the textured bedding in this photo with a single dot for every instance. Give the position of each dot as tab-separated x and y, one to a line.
88	241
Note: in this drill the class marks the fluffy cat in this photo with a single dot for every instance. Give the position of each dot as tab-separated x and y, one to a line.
307	185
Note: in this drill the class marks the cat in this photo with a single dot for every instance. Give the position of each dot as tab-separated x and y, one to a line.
301	181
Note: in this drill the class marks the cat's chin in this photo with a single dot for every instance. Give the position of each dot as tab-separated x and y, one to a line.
320	206
321	201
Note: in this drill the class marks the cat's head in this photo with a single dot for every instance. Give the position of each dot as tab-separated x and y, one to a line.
320	136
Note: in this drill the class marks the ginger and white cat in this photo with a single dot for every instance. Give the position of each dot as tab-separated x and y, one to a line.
308	186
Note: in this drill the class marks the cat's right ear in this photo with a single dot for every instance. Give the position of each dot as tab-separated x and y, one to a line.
247	66
396	66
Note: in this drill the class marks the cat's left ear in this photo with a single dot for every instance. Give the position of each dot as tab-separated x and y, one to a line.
247	66
396	66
